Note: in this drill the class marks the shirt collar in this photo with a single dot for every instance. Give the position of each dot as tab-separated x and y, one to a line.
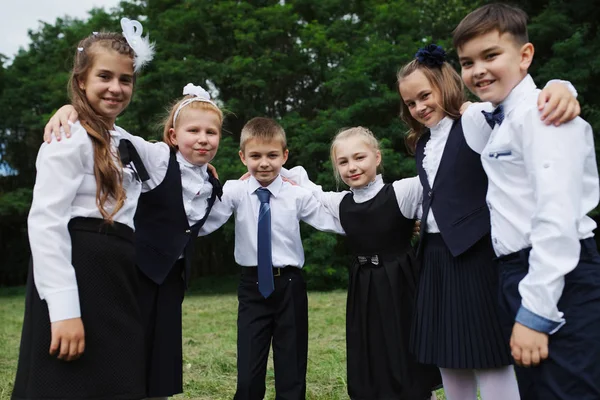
202	169
518	94
274	187
443	127
369	191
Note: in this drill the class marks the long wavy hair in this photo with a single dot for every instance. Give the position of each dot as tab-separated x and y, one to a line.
108	173
449	86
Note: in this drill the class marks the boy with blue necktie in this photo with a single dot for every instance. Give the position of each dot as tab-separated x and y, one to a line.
273	304
540	190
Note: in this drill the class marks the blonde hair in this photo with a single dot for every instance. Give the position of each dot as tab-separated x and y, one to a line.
194	105
263	129
108	174
446	81
346	133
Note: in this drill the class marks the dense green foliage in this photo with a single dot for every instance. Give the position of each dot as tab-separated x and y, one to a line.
315	65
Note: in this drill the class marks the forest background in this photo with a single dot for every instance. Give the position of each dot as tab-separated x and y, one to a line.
315	65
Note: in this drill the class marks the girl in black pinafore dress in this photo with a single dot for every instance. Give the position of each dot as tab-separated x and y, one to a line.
378	220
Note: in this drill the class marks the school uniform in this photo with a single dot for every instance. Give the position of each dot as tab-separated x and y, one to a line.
457	322
81	267
282	317
378	221
543	180
177	199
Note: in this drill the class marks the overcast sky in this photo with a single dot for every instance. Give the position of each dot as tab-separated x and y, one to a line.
17	16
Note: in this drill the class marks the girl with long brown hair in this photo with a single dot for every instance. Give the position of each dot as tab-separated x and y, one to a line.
82	332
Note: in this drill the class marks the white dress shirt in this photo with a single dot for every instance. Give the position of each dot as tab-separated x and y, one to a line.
289	204
434	149
196	189
65	187
543	180
409	192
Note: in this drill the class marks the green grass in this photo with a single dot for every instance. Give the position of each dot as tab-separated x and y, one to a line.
209	342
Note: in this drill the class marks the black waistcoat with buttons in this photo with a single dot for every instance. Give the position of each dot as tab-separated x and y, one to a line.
162	231
457	197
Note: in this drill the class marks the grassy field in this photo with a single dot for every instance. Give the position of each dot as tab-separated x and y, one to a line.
209	340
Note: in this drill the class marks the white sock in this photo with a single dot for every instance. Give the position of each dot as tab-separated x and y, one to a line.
459	384
498	383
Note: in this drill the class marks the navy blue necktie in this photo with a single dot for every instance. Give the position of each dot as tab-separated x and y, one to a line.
494	117
265	258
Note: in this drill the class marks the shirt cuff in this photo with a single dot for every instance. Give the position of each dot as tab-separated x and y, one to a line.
568	84
538	323
63	305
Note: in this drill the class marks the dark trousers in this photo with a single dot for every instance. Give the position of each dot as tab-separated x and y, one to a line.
281	318
572	370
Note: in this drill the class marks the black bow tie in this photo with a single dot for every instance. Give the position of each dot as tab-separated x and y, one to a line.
128	155
494	117
217	187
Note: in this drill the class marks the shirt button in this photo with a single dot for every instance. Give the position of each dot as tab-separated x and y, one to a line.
188	231
430	193
495	241
489	205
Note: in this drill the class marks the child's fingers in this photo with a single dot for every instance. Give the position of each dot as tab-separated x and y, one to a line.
542	99
54	344
516	353
544	352
526	357
557	112
81	347
64	348
571	113
73	350
535	357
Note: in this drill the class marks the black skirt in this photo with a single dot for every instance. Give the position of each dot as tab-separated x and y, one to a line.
379	314
112	366
457	323
160	306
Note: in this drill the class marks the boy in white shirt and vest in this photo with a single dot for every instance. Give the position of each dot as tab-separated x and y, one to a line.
543	180
272	296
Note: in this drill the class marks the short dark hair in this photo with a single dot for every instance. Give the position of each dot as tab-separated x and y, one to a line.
501	17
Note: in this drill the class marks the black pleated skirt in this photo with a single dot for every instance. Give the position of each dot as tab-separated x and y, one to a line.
457	323
160	306
379	314
113	364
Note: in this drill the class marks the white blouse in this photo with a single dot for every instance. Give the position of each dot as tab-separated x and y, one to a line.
196	189
65	188
434	149
409	192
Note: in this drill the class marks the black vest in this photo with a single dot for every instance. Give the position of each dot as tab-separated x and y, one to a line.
458	193
162	231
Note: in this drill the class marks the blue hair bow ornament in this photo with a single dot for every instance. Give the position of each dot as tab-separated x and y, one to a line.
433	56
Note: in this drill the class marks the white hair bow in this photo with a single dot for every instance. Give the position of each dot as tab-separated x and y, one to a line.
199	95
143	49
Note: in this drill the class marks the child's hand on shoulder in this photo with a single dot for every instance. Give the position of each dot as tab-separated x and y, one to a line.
213	171
557	104
464	107
64	117
528	347
68	339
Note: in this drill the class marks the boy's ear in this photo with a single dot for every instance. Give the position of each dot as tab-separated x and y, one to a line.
527	51
286	152
241	153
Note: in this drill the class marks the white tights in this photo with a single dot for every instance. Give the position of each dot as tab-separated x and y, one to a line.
494	384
